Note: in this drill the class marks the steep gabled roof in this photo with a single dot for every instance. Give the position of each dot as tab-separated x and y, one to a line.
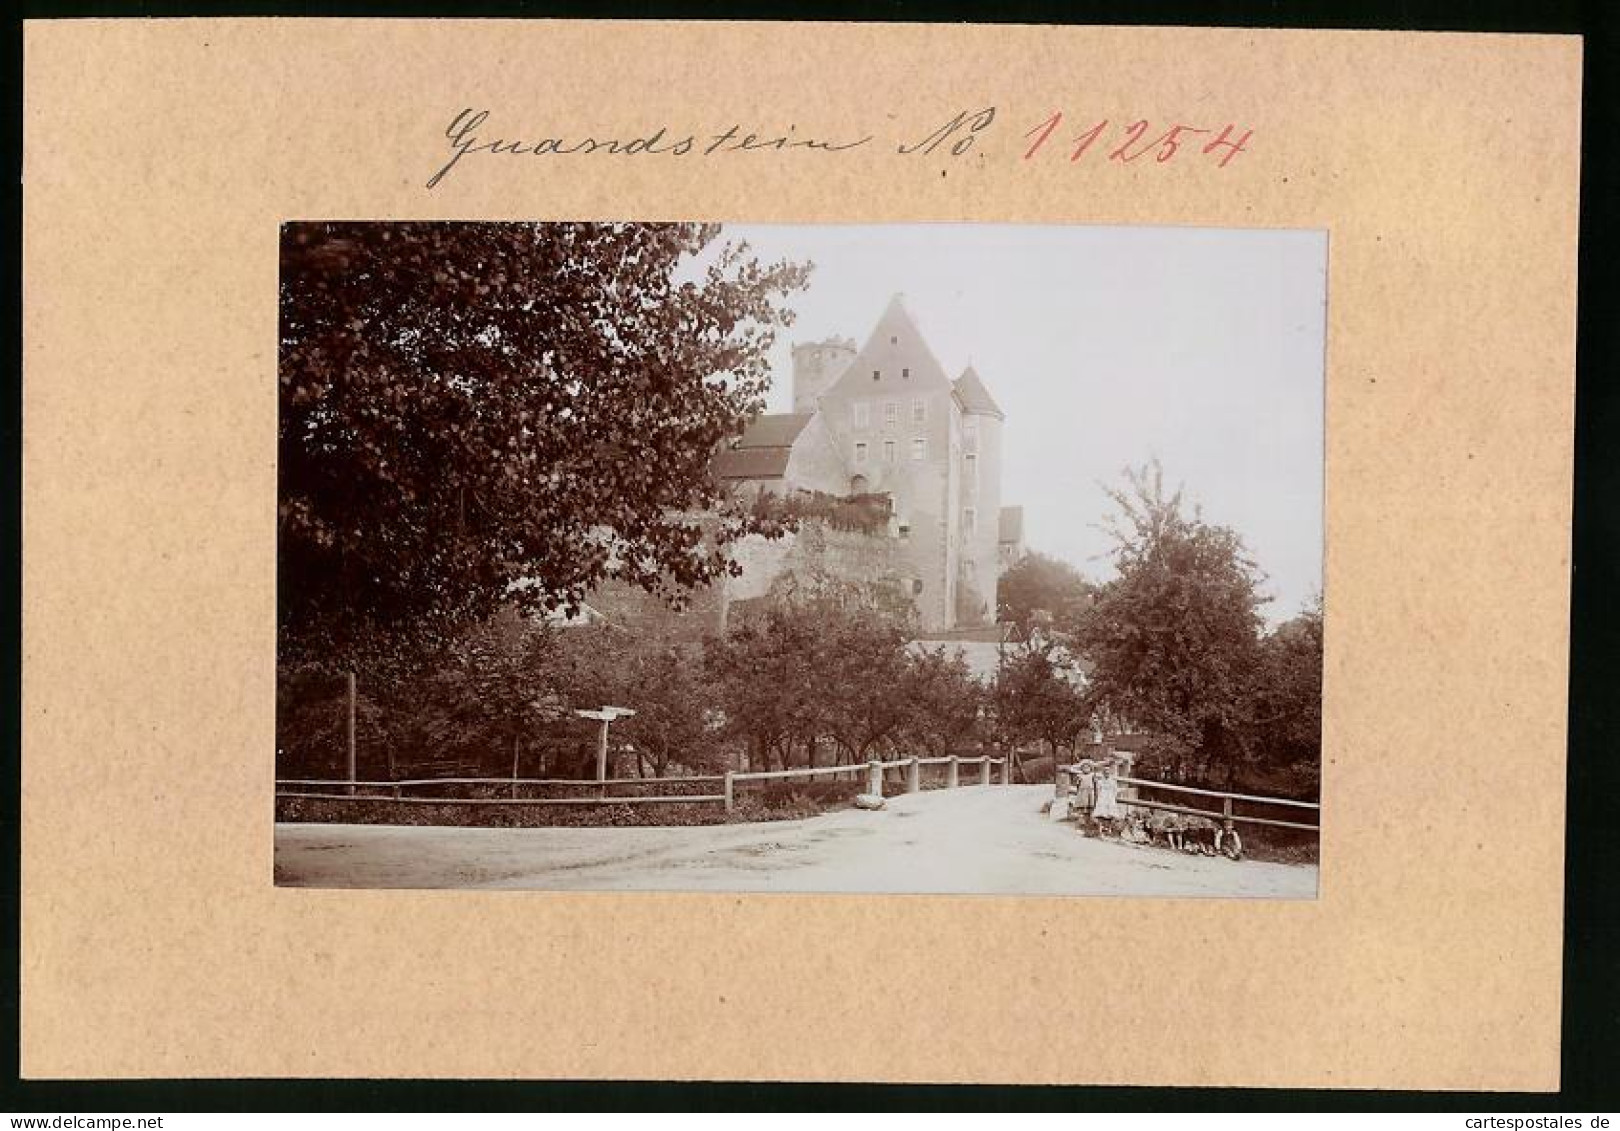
1011	524
974	397
897	355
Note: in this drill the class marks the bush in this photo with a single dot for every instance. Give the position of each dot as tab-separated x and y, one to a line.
1037	770
385	811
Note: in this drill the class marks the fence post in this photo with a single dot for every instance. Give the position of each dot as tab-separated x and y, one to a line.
349	699
1060	783
914	775
984	771
731	796
874	778
952	772
1006	769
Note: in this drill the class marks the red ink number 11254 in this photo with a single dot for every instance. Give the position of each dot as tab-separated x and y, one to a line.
1134	141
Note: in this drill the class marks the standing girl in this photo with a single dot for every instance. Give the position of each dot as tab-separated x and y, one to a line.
1107	810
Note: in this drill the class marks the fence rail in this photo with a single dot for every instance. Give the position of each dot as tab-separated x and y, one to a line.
1225	815
498	781
326	789
1218	793
675	798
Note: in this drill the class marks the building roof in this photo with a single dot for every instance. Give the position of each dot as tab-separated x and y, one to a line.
1012	524
763	450
775	430
983	658
751	463
894	360
974	396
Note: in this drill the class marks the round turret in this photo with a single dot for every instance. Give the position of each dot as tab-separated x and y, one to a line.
816	365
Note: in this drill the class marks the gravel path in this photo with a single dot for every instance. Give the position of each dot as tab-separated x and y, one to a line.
974	840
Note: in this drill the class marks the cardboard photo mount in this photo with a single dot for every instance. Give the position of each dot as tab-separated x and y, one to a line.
161	158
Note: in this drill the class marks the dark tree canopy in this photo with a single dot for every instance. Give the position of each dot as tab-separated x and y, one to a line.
1174	639
1037	587
477	413
1037	697
1289	703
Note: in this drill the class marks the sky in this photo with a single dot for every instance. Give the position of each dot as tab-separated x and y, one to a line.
1106	347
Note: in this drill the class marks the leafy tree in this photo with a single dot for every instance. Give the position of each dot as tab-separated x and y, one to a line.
819	660
673	702
1174	639
1289	705
1038	697
762	672
943	701
478	413
1038	588
860	676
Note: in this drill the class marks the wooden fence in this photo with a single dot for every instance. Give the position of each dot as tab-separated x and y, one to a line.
345	790
1225	814
874	773
335	789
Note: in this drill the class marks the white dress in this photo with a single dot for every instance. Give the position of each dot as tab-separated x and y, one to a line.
1107	807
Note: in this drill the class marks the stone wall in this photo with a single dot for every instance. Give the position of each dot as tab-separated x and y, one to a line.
815	551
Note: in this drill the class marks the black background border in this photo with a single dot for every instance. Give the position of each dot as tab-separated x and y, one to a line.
1591	1004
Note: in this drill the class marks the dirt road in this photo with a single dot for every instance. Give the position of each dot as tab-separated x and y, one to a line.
977	839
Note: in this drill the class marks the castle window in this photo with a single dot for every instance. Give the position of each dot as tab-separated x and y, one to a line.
860	453
893	340
969	521
876	373
919	448
888	451
919	411
970	467
906	374
863	414
891	412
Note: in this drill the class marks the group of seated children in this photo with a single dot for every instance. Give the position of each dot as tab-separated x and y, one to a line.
1183	831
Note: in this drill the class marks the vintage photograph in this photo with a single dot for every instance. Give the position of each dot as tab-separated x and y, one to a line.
711	557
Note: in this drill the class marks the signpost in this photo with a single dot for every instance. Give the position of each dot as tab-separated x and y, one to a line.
605	716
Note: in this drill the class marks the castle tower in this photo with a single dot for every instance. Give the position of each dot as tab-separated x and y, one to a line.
894	419
979	500
816	365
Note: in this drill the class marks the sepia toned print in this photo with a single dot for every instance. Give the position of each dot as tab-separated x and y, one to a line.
699	557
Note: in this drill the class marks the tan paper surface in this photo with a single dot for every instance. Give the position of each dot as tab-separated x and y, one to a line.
160	158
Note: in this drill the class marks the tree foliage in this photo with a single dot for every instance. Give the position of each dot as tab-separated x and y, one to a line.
818	662
1038	589
1038	696
1289	702
1174	639
477	413
944	702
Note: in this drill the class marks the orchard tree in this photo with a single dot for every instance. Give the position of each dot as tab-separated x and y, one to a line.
481	413
943	701
1174	640
762	672
1038	695
672	701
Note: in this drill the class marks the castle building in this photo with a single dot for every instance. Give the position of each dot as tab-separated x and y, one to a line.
886	419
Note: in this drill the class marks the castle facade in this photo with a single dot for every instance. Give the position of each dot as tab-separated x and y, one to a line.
886	419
